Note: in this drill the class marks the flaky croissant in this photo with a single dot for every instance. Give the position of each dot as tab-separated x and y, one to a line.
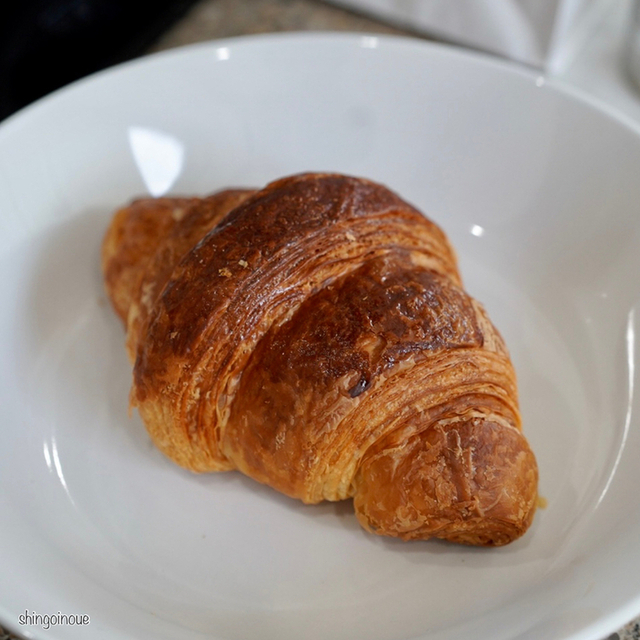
315	336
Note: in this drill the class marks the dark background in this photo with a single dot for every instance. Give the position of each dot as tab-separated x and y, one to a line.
45	44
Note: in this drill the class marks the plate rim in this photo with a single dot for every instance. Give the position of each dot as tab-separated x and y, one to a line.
450	50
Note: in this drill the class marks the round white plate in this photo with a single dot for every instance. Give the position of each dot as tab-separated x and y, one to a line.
539	192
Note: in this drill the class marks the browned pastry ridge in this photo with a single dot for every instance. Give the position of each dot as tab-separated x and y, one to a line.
315	335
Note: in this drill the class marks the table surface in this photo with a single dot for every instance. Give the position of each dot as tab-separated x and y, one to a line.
212	19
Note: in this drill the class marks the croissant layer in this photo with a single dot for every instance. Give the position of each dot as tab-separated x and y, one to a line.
315	335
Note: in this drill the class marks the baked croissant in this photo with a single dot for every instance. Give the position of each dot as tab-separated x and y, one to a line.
315	335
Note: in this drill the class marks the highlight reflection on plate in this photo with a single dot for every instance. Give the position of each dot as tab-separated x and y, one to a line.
538	191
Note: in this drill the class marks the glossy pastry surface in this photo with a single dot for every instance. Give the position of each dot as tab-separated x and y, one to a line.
315	335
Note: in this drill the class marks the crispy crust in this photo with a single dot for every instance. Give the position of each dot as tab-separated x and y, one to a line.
315	335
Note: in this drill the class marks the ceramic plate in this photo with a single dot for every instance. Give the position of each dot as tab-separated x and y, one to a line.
539	192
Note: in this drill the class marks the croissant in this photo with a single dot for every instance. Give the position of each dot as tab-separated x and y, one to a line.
315	335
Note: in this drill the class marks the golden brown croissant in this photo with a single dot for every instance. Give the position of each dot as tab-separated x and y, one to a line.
315	336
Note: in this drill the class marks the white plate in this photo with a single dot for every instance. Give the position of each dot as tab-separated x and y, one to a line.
539	192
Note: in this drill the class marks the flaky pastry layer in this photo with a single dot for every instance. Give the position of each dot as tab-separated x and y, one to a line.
315	335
